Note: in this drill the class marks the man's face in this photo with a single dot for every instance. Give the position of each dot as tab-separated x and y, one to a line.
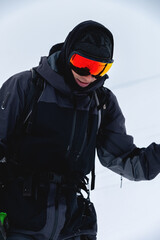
83	81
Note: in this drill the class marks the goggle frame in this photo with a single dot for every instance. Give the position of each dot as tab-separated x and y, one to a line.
86	71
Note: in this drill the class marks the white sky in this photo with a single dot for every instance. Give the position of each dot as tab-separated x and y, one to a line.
29	28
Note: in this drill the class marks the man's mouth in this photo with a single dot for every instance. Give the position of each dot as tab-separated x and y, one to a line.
82	84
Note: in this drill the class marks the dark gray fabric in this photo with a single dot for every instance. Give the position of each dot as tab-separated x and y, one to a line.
16	236
131	168
117	151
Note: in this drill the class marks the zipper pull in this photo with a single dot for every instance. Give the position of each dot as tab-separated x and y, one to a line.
4	103
121	181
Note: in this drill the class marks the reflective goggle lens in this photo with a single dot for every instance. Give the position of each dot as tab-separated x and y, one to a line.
85	66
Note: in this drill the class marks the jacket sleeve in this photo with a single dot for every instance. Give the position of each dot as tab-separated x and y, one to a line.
12	99
117	151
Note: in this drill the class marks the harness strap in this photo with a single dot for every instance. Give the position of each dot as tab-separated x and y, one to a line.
93	175
36	88
52	177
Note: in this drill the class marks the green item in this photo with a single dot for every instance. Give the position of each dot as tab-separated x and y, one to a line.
2	217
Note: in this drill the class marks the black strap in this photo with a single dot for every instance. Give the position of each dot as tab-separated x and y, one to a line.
100	98
36	88
93	177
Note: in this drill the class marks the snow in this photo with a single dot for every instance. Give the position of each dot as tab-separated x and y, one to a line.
29	29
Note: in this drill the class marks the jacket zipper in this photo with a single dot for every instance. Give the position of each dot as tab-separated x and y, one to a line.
82	147
72	134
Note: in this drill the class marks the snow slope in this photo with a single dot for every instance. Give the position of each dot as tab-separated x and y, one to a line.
28	31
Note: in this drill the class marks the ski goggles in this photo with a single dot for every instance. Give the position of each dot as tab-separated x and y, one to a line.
85	66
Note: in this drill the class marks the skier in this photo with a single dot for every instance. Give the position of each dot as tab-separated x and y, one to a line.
52	119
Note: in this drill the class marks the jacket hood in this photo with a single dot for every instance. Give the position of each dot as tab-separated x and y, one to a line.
89	37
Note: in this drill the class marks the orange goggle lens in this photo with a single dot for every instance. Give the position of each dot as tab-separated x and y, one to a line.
84	66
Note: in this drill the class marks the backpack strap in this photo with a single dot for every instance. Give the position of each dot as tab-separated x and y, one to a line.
35	89
100	97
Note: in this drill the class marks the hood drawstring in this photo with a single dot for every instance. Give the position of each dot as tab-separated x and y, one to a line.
99	110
